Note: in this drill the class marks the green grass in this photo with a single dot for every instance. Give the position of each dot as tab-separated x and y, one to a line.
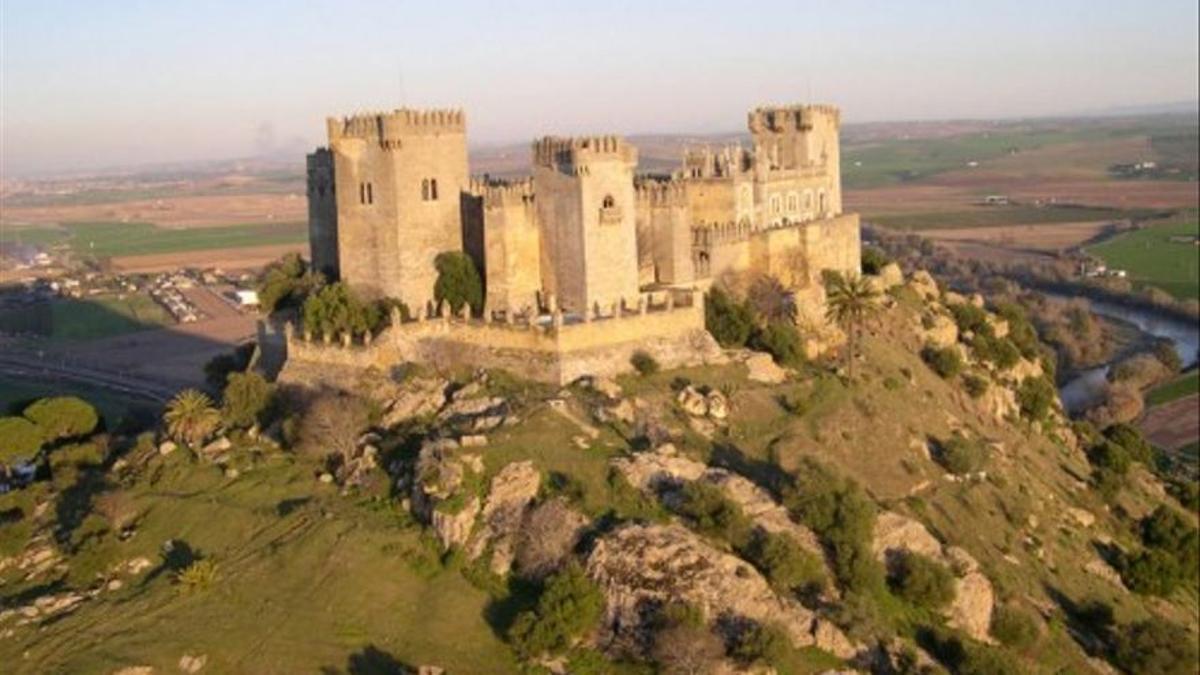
903	161
1152	259
15	394
1184	385
106	239
87	319
994	216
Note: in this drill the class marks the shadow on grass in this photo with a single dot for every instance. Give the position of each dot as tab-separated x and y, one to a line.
177	555
371	660
766	475
502	611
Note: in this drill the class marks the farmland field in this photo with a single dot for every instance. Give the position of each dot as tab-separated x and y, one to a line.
1185	385
16	393
107	239
87	319
1152	259
995	216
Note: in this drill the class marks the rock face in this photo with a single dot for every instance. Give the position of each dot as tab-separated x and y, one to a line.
971	610
639	567
890	276
924	285
941	332
511	493
762	368
697	404
416	398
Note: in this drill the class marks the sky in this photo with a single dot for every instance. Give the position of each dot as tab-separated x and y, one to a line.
98	83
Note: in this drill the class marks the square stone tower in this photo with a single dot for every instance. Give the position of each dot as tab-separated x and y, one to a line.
398	178
797	162
586	208
322	213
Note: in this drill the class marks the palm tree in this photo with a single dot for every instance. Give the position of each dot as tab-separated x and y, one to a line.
191	417
851	301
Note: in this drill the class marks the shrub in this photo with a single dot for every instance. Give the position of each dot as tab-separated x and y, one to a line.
1014	627
569	606
1020	330
1156	647
709	512
1165	352
874	259
22	439
1165	529
984	660
1152	572
198	576
458	282
921	581
547	536
761	643
643	363
786	564
1111	457
961	455
997	351
1129	438
975	385
842	515
684	645
729	321
336	309
968	317
945	361
62	417
246	400
286	283
782	341
190	417
1036	396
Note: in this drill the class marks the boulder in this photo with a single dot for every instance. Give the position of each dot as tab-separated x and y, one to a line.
894	532
692	401
417	397
641	566
511	492
192	664
758	505
971	609
649	471
453	527
167	447
717	405
890	276
762	368
476	414
1081	517
950	299
942	332
602	385
924	285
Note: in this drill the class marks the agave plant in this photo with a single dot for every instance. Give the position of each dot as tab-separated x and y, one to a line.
851	301
191	417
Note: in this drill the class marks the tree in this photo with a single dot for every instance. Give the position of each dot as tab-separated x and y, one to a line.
20	440
569	607
787	565
458	282
337	309
730	322
922	581
62	417
246	399
874	259
332	423
771	300
286	283
548	534
1036	397
782	341
684	645
852	300
945	361
1156	647
191	417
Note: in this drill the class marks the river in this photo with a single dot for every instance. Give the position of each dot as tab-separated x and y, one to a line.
1087	388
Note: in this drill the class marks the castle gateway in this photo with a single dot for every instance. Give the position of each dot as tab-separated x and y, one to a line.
582	241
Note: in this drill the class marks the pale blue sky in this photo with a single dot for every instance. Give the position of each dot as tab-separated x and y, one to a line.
90	83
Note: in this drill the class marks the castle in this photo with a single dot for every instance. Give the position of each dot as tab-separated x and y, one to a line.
584	237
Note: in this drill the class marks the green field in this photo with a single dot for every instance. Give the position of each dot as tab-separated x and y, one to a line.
87	319
1152	259
15	394
995	216
106	239
1184	385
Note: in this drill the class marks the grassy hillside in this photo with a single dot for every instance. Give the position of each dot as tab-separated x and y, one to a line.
85	319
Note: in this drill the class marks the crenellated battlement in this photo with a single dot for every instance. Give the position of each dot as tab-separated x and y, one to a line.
707	235
652	191
705	162
572	154
781	119
389	128
496	192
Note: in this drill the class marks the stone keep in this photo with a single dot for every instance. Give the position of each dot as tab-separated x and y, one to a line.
398	181
585	206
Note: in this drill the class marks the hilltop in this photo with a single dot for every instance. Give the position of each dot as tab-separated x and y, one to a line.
923	506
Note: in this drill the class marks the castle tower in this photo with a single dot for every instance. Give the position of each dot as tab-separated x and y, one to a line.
398	179
585	206
798	142
322	213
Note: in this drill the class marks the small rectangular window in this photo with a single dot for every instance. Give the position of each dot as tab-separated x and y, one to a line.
370	194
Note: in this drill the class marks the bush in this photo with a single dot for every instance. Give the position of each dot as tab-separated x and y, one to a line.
921	581
782	341
842	515
968	317
997	351
643	363
759	643
961	455
1156	647
1166	530
1110	457
1020	330
458	282
286	283
1129	438
336	309
874	259
198	576
246	400
1152	572
569	607
945	361
975	385
709	512
787	565
684	645
62	417
1014	628
1164	351
730	322
1036	396
22	439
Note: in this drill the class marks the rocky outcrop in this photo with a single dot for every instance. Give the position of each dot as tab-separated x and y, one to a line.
639	567
418	397
762	368
511	492
939	331
443	490
696	403
971	609
475	414
890	276
924	285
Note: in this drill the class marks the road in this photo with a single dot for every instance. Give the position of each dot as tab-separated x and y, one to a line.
31	367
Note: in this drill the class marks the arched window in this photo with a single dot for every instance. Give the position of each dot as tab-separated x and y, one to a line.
433	189
792	202
775	206
608	202
425	190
